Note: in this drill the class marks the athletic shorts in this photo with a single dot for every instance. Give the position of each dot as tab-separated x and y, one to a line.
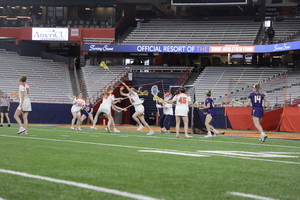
181	111
75	109
257	112
104	108
139	108
213	114
3	109
26	106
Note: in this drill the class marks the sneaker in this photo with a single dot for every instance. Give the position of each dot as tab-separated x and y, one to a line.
140	127
93	127
1	125
188	136
177	136
24	133
208	136
8	125
107	129
150	133
162	131
168	131
116	131
73	128
21	131
263	139
222	133
79	129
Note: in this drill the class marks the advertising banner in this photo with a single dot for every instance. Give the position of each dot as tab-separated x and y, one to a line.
193	48
50	34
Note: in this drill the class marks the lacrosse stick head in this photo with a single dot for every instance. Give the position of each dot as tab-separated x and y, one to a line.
154	90
196	104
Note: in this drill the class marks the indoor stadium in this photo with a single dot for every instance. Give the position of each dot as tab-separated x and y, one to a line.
149	99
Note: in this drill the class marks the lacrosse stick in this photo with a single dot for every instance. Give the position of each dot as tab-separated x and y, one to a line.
236	103
154	92
124	109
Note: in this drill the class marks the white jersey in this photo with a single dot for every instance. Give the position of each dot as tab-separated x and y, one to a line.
182	104
78	103
135	99
106	103
168	110
26	105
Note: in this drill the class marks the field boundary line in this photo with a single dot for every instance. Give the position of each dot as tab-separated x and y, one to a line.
252	196
81	185
143	148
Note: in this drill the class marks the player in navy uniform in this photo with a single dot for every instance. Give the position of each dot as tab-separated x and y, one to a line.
87	111
211	114
256	99
166	117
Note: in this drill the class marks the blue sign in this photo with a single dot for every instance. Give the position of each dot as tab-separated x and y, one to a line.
147	48
186	48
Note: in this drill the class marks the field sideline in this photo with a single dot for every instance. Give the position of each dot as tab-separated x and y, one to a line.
55	162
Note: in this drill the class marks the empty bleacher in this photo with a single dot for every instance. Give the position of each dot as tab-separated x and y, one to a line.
48	80
219	80
175	32
285	30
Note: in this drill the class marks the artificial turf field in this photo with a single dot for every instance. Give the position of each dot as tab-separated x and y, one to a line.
55	162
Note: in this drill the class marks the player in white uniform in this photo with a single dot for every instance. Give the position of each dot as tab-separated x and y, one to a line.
139	115
183	102
78	104
108	102
24	105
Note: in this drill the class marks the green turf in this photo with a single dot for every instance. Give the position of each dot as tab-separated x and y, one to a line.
115	161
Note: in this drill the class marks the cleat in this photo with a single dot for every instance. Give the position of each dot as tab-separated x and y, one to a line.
263	139
1	125
162	131
150	133
168	131
207	136
188	137
8	125
223	133
93	127
177	136
79	129
140	127
107	129
21	131
73	128
116	131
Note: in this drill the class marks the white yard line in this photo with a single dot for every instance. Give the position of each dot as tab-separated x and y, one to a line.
1	198
148	148
252	196
81	185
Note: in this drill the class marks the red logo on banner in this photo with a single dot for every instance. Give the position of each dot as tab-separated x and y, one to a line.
231	49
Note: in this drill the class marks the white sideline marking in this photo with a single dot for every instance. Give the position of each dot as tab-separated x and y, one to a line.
1	198
252	196
136	147
174	153
81	185
253	154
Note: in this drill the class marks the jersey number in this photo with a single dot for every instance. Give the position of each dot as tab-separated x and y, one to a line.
182	100
257	99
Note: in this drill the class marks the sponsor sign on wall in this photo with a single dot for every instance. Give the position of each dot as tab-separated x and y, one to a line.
50	34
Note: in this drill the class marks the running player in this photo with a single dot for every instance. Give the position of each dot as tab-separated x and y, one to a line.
166	117
78	104
183	101
211	114
139	115
24	105
87	111
4	108
256	99
108	102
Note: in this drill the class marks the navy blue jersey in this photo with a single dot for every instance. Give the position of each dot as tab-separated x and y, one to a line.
256	99
87	109
211	109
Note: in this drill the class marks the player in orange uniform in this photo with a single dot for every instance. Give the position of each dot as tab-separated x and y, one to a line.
24	105
183	101
78	104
